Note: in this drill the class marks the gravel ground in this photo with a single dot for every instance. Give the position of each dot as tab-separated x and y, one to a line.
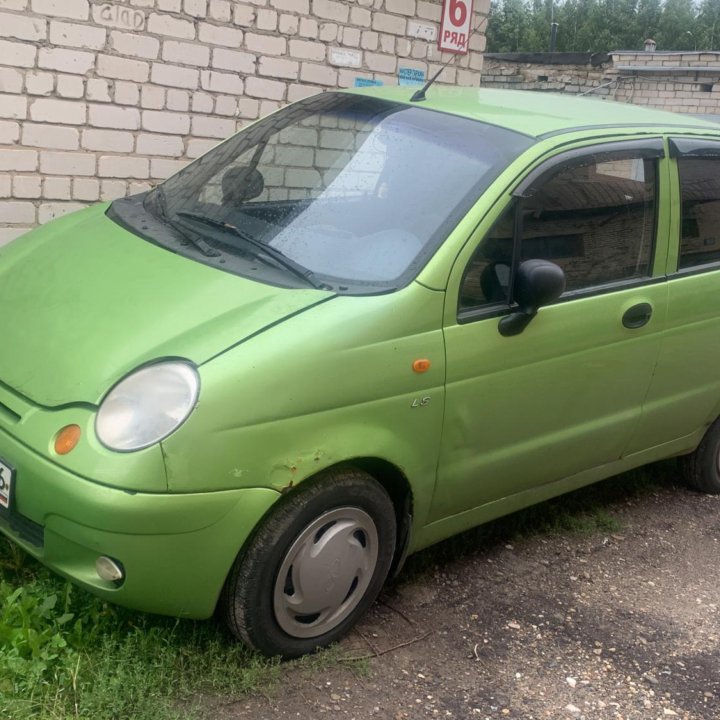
607	625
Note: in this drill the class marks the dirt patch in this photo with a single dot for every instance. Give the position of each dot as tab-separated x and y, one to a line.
611	625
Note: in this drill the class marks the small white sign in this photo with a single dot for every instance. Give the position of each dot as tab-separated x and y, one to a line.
345	58
422	31
455	26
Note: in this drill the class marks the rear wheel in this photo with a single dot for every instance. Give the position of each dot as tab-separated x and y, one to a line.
313	567
701	469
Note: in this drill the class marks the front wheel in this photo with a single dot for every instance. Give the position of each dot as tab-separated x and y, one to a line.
313	567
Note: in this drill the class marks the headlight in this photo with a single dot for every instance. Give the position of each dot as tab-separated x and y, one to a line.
147	406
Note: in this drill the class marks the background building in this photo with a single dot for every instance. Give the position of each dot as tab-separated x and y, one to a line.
102	99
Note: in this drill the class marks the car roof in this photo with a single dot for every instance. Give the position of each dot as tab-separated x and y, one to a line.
539	114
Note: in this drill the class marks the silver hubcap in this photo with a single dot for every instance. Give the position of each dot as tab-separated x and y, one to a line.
326	572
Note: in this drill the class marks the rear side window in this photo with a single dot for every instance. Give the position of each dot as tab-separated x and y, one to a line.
700	193
594	217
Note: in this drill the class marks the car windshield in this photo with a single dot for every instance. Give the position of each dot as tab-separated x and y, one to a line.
340	191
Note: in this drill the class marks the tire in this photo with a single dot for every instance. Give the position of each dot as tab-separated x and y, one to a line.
313	567
701	469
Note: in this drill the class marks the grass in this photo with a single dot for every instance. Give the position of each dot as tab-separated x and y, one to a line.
65	655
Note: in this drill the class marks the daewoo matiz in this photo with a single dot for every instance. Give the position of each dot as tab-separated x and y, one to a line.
362	324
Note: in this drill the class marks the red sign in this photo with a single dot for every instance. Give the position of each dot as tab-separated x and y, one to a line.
455	21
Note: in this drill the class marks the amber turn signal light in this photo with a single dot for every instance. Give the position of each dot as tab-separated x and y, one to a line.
67	439
421	365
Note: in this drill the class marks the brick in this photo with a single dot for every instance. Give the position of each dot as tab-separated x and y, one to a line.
369	40
167	145
112	189
73	9
226	105
318	74
5	187
306	50
261	88
301	7
212	127
70	86
195	8
87	189
119	118
50	136
308	28
165	168
221	82
66	163
14	4
266	20
220	10
22	27
9	132
69	61
178	100
232	60
170	26
170	5
243	15
201	102
152	97
174	76
27	187
116	166
58	111
429	10
389	24
40	83
134	188
217	35
265	44
330	10
351	36
17	54
380	63
108	140
186	53
17	212
165	122
199	146
127	93
80	36
360	16
269	106
140	46
56	188
98	90
13	106
401	7
275	67
52	211
122	69
328	32
11	80
289	24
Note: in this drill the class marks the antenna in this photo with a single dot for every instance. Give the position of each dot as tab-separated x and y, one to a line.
419	95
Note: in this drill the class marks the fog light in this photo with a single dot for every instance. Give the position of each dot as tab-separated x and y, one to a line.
108	569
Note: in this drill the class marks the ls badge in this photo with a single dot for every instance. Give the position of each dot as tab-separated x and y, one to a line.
422	402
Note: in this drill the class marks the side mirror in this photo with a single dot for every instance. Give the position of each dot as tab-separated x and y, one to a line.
240	184
537	283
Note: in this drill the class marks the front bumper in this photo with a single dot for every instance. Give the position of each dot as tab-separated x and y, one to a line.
176	549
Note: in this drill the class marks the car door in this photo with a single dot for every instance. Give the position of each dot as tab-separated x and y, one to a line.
685	392
566	394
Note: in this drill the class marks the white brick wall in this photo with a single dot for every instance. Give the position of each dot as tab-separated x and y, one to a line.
101	98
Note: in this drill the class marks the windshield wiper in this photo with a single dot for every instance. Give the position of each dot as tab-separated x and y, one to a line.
277	255
160	202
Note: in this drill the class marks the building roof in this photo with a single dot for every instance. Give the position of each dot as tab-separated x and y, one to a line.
538	114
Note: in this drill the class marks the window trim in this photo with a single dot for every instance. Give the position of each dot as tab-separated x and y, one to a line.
645	148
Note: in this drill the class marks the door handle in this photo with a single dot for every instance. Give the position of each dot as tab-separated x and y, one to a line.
637	316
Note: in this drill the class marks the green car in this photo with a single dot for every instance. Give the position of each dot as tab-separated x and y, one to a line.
359	326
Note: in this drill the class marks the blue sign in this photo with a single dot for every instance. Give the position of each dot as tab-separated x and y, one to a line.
366	82
411	76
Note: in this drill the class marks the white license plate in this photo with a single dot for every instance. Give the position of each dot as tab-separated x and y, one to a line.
6	480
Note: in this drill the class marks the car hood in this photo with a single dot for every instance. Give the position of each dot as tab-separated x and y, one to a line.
83	302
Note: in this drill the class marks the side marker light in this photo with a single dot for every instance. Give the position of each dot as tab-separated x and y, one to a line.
421	365
67	439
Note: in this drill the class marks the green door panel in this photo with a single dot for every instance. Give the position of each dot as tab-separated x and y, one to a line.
562	397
